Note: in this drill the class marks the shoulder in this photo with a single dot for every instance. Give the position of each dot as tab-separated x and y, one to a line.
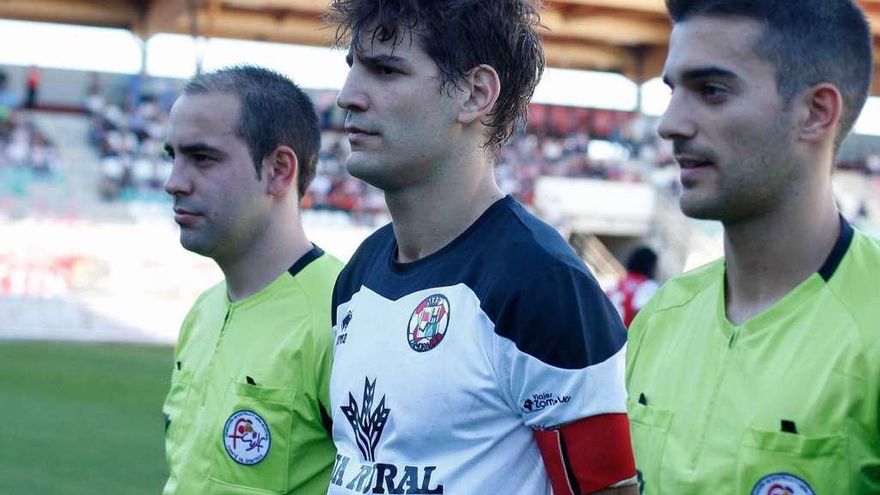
854	285
861	263
379	240
307	289
208	305
211	299
517	238
520	256
319	274
372	251
544	299
682	289
678	292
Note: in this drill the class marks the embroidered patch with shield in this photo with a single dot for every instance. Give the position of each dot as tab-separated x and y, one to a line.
428	323
246	437
782	484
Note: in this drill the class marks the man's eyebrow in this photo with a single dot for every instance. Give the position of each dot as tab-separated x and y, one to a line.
702	73
379	59
197	147
372	60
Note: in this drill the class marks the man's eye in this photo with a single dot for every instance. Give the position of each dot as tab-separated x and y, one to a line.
385	70
713	91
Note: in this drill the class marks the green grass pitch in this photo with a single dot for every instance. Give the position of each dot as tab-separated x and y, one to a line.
82	418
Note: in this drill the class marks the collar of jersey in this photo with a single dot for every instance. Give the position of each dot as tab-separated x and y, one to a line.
402	268
288	275
795	298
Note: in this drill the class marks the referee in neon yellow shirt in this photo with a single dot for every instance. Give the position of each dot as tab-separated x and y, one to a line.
760	373
247	408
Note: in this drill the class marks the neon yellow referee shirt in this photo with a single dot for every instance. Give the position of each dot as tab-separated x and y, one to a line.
784	404
247	408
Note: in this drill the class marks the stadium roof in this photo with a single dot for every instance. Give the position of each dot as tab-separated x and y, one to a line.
624	36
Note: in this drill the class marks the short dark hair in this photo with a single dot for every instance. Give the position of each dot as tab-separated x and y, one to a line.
642	260
458	35
808	41
274	112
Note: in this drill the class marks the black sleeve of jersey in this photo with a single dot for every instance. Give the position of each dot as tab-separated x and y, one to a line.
561	317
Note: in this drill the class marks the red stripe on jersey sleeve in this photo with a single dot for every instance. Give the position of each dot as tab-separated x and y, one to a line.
587	455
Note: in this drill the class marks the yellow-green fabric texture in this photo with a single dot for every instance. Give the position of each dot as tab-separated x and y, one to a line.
269	353
707	399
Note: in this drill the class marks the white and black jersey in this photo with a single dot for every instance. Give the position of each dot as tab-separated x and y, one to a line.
445	367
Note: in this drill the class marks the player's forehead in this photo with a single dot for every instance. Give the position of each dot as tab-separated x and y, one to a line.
205	118
723	42
210	110
401	43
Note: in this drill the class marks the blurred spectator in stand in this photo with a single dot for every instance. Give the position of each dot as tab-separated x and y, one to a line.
43	154
138	86
556	142
26	148
94	99
8	100
635	289
129	140
34	77
872	164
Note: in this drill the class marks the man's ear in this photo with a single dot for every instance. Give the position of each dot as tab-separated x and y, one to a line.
480	92
281	168
821	110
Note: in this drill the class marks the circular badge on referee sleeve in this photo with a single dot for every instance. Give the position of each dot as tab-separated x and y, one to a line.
246	437
782	484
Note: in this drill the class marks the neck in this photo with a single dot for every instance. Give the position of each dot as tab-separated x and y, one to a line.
266	258
430	216
768	256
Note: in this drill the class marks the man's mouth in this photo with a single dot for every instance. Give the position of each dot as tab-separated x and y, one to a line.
355	130
184	216
693	161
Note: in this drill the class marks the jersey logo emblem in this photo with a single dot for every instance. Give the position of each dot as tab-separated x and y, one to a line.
246	437
782	484
346	321
428	323
539	402
366	422
343	333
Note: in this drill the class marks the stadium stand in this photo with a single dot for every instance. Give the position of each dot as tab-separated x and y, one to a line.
601	177
559	141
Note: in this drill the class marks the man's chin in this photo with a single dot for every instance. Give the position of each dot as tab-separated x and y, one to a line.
196	246
359	164
700	208
371	172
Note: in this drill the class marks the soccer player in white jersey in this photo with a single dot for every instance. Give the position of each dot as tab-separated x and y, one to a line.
474	352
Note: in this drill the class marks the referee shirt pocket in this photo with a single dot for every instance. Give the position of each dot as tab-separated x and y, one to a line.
250	449
650	427
810	464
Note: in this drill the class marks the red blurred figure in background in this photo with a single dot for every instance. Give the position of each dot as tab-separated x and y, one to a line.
634	290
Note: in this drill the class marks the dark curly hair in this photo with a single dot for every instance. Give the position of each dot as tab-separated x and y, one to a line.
458	35
808	41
